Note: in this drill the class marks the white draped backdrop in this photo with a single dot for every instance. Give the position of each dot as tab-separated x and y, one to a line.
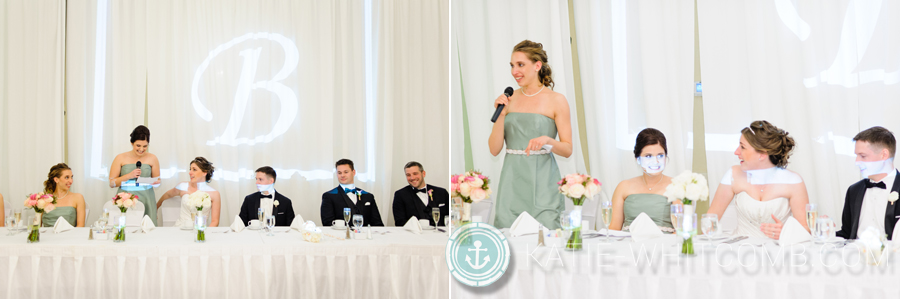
292	84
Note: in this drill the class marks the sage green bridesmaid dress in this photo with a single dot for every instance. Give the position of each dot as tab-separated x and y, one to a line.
68	213
144	193
656	206
528	183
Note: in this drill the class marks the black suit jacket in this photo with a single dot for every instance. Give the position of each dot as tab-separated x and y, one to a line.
335	200
853	204
408	204
284	212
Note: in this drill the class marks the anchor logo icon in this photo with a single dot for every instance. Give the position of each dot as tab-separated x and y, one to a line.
478	251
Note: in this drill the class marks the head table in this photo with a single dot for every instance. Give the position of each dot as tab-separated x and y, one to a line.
167	263
654	268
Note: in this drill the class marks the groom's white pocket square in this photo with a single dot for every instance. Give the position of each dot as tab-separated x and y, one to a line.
443	204
368	204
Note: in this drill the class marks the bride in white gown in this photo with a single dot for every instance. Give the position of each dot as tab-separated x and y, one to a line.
200	173
765	194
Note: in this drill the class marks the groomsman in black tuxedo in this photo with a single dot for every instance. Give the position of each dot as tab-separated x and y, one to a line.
274	203
868	202
346	195
417	198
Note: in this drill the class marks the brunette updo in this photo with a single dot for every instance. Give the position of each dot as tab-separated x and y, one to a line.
205	166
140	133
55	172
535	52
767	138
649	136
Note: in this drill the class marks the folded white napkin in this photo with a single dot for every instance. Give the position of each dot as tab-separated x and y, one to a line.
614	233
413	225
643	228
298	223
792	233
238	224
147	224
61	225
525	224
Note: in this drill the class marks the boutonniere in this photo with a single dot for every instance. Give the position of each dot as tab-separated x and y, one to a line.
893	197
430	195
276	203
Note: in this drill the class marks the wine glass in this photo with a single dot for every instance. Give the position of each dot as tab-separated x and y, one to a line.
260	212
357	222
347	216
10	224
812	214
17	214
436	214
823	229
606	214
710	225
270	223
675	209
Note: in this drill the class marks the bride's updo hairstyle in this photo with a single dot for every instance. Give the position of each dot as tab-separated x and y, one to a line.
535	52
769	139
205	166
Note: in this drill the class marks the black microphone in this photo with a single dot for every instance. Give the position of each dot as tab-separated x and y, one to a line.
138	165
508	92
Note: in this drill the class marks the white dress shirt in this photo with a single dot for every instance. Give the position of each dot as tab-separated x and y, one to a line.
266	204
422	196
875	204
352	196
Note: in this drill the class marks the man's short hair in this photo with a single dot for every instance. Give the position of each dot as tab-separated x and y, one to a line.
414	163
344	162
268	171
879	138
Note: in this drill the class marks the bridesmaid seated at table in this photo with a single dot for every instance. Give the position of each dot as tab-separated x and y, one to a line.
68	205
644	193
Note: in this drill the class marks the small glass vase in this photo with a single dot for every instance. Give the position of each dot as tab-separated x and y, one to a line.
120	229
200	227
687	228
34	236
465	217
575	241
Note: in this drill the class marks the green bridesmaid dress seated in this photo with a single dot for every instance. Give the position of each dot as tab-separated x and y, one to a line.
68	213
654	205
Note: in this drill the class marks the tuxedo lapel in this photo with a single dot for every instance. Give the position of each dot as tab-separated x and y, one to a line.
858	195
889	211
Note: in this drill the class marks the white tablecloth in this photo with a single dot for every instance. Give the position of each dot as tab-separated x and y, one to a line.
621	270
166	263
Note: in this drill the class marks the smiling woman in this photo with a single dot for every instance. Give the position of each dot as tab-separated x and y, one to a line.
138	162
531	119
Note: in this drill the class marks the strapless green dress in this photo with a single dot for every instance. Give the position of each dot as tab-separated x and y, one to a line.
528	183
68	213
656	206
144	193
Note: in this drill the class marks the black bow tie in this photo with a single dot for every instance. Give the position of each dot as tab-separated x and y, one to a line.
423	190
267	196
870	184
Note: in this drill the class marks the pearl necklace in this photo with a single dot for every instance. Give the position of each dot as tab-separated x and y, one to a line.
64	196
534	94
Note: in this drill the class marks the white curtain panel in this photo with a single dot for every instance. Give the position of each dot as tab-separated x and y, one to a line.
32	47
637	63
484	33
822	71
105	91
413	50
